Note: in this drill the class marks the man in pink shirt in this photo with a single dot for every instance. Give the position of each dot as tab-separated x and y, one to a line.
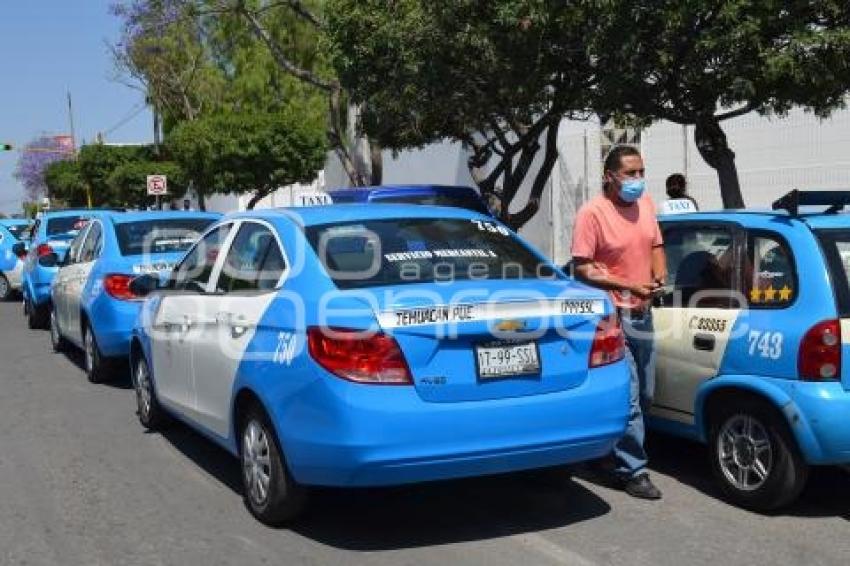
617	246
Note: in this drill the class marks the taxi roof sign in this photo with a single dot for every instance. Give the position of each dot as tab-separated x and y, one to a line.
677	206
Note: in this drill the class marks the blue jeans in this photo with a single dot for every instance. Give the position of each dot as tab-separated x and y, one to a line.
629	455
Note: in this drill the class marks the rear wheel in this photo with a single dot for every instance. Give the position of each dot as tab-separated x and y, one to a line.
5	288
754	455
56	339
270	492
97	367
37	316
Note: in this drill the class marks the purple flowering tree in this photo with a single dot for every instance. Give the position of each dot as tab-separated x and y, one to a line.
34	159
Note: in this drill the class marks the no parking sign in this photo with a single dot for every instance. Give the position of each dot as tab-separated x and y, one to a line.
157	185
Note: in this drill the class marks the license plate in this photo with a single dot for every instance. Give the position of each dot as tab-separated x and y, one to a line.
502	359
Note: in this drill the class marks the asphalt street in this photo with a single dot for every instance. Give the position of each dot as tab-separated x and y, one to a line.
81	483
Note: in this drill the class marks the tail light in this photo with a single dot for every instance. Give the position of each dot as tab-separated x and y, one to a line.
117	286
609	344
359	356
820	352
43	250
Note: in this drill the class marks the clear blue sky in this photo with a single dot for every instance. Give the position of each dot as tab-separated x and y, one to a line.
50	47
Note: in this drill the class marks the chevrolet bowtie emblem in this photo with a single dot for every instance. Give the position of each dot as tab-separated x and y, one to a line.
510	325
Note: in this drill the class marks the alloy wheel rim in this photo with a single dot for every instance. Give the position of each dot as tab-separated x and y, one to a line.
256	462
54	329
745	452
89	353
143	389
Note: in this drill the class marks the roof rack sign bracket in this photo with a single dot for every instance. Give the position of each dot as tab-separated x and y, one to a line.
792	201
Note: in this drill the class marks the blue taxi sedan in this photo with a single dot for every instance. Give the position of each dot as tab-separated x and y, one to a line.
11	263
363	346
92	306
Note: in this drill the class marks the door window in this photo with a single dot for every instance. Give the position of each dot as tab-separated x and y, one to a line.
700	267
254	262
769	277
74	250
92	244
193	273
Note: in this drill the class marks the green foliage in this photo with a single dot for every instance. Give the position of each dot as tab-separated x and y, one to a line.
249	152
65	182
97	162
129	181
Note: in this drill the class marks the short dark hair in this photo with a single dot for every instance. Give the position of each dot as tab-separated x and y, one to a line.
614	159
675	180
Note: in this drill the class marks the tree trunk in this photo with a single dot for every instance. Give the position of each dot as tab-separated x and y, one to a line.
202	201
377	157
258	196
714	149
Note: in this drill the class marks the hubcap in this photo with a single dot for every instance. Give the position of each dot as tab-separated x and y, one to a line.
143	389
256	463
745	452
4	287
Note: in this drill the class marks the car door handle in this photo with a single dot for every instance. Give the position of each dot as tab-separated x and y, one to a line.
238	324
704	342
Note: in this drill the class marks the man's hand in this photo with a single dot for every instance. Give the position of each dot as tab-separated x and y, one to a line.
642	291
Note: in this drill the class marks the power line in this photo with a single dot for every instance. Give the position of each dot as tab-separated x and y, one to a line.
134	111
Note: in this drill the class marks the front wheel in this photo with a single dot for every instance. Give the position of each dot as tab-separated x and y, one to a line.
151	414
270	492
755	457
37	316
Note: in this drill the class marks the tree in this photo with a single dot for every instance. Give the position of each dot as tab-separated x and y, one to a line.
98	162
498	76
294	32
249	152
34	159
65	182
700	63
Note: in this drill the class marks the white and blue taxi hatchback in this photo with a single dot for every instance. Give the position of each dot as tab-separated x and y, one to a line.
388	344
752	342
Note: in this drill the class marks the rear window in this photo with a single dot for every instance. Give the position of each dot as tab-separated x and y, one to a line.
399	251
17	230
457	201
159	236
68	226
836	248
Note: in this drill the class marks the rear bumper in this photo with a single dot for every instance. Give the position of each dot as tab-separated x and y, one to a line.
388	435
38	282
820	418
113	322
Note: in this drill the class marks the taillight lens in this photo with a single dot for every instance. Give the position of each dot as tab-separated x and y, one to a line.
43	250
820	352
609	344
118	287
363	357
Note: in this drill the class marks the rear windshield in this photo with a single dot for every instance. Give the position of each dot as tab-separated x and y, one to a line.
457	201
65	225
159	236
17	230
422	250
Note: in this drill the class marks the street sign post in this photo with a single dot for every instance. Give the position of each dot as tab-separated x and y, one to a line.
157	186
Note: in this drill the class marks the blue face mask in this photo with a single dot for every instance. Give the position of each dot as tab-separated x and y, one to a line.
632	189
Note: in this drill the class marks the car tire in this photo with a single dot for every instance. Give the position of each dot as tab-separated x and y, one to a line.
37	316
269	490
96	366
150	412
754	456
5	289
56	339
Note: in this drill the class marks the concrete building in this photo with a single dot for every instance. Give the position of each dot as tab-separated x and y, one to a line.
774	155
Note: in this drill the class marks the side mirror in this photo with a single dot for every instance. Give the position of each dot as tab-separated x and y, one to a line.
20	250
144	285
